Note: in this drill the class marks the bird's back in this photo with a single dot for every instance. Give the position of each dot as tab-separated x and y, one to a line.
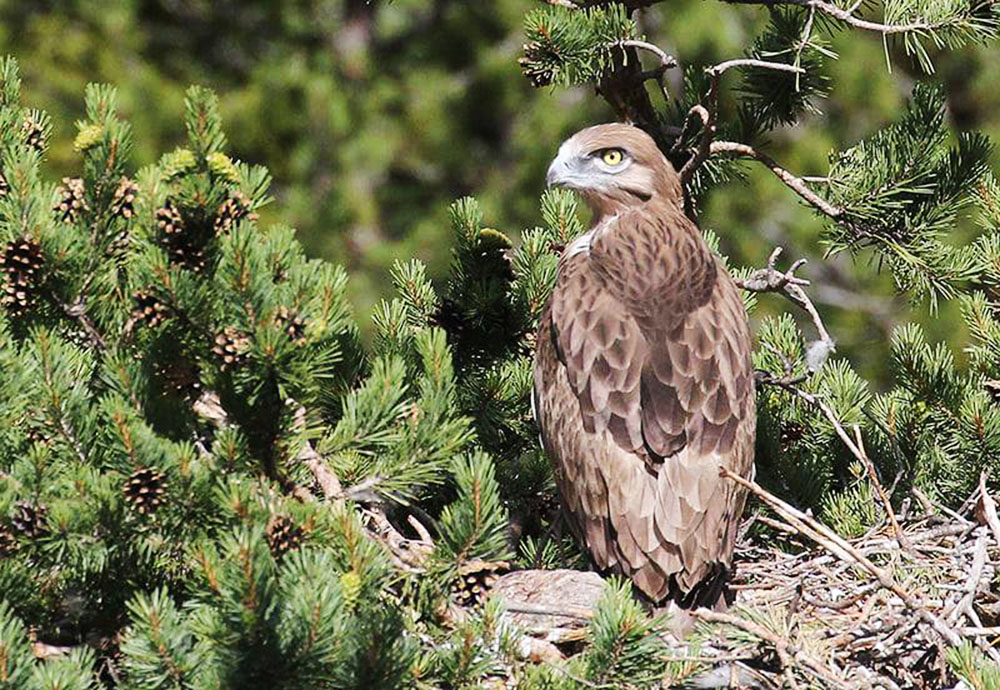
643	391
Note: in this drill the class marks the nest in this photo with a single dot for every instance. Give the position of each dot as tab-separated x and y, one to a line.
813	609
820	618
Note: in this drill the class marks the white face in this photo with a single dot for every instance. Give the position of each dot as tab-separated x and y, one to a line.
579	169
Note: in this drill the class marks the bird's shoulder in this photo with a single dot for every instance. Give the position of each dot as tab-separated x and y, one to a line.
659	370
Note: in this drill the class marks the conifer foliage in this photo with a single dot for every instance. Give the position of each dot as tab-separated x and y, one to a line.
207	481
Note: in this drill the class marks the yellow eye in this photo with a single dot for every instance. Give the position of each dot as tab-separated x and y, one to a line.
612	156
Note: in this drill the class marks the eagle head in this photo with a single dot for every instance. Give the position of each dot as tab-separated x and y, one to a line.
614	167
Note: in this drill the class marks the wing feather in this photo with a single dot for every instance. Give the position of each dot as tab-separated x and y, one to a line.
642	398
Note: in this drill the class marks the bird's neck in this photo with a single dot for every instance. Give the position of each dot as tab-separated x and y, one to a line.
650	250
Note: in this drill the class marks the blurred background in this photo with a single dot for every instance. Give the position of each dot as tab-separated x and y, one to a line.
374	116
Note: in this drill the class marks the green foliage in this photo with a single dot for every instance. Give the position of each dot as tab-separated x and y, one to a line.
770	98
177	364
973	667
624	642
902	189
474	526
574	47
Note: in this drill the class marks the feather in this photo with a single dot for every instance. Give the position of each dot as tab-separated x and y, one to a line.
643	383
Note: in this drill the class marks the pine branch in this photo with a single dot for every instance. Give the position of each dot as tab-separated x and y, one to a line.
796	184
708	110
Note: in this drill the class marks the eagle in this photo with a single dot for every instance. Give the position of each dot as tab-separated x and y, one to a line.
643	383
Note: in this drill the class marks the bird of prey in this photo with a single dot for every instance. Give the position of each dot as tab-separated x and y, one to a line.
643	384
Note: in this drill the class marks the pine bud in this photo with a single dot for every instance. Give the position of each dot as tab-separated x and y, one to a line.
350	585
222	166
176	163
88	137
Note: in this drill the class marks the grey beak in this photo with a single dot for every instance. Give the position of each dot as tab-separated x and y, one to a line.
558	173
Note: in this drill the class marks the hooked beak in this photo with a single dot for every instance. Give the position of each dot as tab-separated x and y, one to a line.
560	172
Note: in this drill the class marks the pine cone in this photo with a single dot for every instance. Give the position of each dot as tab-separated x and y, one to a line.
123	203
475	579
533	64
992	387
450	317
149	310
8	541
33	133
181	377
232	347
4	186
283	535
20	264
791	433
169	219
29	519
181	249
233	209
144	490
72	201
294	327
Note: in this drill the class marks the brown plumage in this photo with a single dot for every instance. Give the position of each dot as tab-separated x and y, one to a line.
643	380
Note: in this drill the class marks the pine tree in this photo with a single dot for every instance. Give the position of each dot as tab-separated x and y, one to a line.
207	480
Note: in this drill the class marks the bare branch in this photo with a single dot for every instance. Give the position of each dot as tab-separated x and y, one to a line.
708	111
789	656
772	280
749	62
839	547
78	312
666	61
797	184
989	508
890	513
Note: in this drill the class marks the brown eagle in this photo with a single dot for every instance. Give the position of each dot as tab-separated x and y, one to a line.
643	383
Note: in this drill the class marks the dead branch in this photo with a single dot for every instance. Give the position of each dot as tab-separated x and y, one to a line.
796	184
770	279
839	547
989	508
788	655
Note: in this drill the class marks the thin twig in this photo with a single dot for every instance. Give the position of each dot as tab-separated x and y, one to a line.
796	184
890	512
839	547
847	16
972	584
709	109
770	279
750	62
78	312
666	61
989	508
788	656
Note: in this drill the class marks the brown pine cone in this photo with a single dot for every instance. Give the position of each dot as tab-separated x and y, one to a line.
72	200
144	490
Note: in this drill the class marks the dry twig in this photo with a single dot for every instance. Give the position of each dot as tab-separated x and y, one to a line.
839	547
